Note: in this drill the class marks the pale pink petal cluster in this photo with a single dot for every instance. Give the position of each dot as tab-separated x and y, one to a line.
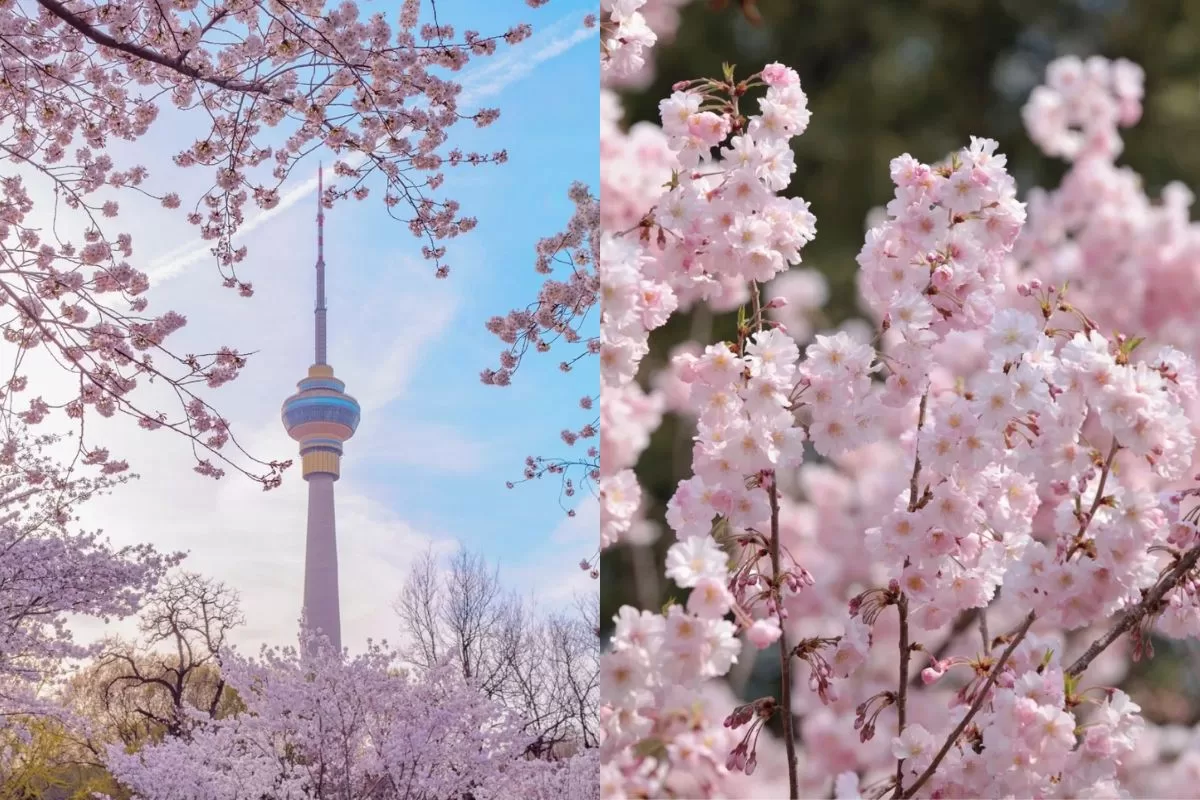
1007	445
360	724
650	679
624	37
1025	744
633	305
634	166
1129	257
1076	113
663	18
723	222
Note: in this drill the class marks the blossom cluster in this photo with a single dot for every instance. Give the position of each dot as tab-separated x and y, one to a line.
662	17
633	305
634	166
1027	743
741	396
745	429
1128	257
723	222
1076	113
714	226
1006	452
624	36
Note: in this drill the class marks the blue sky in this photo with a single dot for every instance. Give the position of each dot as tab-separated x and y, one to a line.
429	462
549	122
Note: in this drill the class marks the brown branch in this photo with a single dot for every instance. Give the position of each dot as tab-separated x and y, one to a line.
902	603
218	693
1087	520
136	51
980	699
916	473
902	692
1133	616
785	653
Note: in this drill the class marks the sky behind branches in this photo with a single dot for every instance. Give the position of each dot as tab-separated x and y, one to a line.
428	464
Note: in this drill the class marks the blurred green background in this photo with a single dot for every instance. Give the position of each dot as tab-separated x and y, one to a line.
895	76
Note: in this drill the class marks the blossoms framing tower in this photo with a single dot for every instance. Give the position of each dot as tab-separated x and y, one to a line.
320	416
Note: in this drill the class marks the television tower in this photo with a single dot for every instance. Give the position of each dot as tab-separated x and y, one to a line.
320	416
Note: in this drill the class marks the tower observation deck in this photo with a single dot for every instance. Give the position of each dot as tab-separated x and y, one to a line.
321	417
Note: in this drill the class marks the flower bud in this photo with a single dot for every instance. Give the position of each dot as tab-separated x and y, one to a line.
777	302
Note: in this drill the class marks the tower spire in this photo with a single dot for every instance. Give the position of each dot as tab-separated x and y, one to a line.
320	309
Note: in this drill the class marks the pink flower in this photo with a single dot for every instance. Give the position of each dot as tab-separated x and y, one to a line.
779	76
914	744
764	633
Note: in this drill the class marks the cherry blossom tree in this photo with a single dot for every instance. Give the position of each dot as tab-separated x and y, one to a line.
321	727
52	572
262	86
953	533
49	570
560	315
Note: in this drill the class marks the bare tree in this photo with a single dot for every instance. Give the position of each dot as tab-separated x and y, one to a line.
530	684
454	613
575	654
419	607
186	623
473	611
544	667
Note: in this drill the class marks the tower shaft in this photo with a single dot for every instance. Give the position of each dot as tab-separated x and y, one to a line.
322	608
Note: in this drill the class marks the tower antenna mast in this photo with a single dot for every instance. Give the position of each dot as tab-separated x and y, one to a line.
320	309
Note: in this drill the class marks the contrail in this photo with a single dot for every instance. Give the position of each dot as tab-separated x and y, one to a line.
515	64
478	83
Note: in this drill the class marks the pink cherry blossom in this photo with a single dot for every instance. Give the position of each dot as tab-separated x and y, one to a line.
999	466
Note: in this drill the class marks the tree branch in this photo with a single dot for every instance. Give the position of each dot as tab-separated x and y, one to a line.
136	51
785	653
902	689
980	699
1149	605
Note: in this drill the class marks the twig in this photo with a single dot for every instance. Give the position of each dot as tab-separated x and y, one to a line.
785	653
902	691
1134	615
961	623
980	699
916	473
1086	521
902	602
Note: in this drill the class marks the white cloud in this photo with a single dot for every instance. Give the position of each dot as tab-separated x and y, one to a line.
254	542
383	441
551	573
